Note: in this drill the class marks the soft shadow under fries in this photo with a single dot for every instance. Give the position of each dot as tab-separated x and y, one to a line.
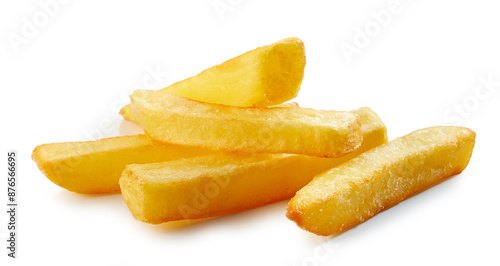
238	219
114	202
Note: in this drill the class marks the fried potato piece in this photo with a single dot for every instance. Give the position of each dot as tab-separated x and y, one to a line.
353	192
93	167
219	184
266	76
174	119
128	115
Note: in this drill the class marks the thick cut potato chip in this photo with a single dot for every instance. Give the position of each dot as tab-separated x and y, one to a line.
174	119
219	184
357	190
92	167
266	76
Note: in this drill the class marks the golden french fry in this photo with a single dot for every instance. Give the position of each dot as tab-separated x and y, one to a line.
92	167
353	192
266	76
174	119
225	183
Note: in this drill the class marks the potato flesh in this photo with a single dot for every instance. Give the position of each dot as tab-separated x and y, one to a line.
353	192
92	167
170	118
219	184
266	76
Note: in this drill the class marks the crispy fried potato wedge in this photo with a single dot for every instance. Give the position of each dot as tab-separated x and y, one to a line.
219	184
266	76
92	167
357	190
174	119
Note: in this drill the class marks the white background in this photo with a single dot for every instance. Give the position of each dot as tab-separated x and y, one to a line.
67	81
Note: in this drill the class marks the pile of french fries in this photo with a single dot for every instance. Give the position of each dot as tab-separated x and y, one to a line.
224	141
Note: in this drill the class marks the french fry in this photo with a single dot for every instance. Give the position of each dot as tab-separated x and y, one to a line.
351	193
93	167
219	184
266	76
174	119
